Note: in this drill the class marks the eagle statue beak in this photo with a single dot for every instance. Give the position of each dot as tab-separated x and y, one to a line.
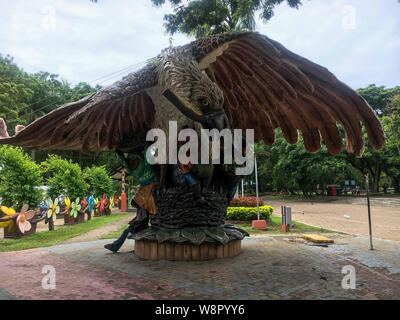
216	120
213	120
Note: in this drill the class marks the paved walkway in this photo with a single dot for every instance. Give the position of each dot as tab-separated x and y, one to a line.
272	267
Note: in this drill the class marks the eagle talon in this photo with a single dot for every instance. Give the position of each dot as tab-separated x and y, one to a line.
159	190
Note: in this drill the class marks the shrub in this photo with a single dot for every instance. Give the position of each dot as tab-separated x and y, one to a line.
246	202
20	179
64	178
99	181
248	213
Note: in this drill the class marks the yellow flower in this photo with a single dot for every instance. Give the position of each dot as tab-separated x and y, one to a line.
67	205
53	209
22	218
8	224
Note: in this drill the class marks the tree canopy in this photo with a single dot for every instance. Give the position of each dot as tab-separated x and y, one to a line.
205	17
20	179
24	97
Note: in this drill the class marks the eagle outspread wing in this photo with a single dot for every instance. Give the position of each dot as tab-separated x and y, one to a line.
98	122
265	86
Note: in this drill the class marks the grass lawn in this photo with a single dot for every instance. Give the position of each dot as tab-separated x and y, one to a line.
49	238
274	227
115	234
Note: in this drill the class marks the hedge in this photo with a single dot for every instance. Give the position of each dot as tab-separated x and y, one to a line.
20	179
248	213
246	202
64	178
99	181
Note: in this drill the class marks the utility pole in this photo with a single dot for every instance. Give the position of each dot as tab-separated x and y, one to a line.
369	213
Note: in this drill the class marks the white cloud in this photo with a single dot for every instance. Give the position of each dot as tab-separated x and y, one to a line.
361	56
83	41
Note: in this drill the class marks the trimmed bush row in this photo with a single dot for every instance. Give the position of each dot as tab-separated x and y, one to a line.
246	202
248	213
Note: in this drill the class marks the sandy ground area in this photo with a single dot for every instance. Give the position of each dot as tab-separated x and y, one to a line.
330	214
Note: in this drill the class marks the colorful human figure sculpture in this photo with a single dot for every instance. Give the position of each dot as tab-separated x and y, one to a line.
139	168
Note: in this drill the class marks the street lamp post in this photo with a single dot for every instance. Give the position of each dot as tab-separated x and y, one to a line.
256	174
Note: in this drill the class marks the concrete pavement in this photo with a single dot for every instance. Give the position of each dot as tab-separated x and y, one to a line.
270	267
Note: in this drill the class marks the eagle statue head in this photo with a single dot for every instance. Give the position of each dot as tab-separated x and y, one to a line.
190	89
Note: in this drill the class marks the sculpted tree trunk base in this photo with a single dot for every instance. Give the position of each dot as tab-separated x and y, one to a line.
173	251
16	234
188	228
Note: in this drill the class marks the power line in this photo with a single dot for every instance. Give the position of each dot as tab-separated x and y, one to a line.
105	78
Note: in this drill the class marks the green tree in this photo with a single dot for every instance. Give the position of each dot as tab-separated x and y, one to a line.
386	102
20	179
15	92
292	168
379	97
205	17
64	178
99	181
391	155
25	97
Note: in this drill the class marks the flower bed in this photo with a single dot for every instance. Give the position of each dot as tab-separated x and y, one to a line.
248	213
246	202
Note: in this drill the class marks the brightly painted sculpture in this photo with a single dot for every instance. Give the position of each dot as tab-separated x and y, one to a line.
112	202
76	207
43	207
234	80
67	212
20	219
52	212
104	205
89	204
68	207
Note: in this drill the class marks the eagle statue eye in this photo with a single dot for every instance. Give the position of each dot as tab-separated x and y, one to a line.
204	103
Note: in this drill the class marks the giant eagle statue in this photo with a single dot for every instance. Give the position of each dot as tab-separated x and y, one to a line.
239	80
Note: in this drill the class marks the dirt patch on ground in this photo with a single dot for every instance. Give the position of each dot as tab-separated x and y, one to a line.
100	232
345	217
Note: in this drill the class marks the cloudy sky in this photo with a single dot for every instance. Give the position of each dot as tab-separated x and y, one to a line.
358	40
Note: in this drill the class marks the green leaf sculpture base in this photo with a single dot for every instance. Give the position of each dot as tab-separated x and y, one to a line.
196	235
189	244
